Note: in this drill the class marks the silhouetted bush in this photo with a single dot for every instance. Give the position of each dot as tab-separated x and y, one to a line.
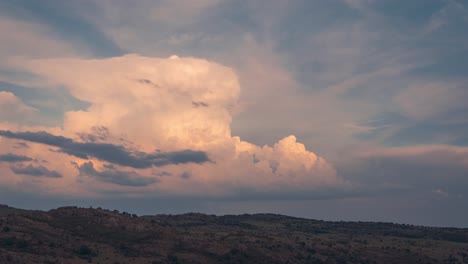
85	251
172	258
22	244
8	241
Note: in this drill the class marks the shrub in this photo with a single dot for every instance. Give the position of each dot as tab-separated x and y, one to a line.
22	244
172	258
9	241
85	250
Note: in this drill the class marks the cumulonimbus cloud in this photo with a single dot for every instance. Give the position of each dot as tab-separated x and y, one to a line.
181	107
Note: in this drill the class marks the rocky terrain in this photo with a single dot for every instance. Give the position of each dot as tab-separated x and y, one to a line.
86	235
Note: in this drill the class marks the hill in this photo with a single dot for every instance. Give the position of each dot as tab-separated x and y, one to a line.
85	235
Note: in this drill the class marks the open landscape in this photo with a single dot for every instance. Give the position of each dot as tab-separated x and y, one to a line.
85	235
234	131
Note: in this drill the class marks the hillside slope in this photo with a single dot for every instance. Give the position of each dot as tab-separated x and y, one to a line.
79	235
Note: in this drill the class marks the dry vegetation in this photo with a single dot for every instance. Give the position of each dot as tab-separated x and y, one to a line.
79	235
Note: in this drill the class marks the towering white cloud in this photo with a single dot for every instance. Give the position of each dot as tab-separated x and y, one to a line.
171	104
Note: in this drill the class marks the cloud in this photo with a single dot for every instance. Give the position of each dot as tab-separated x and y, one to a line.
21	145
112	175
178	157
109	152
162	173
418	169
199	104
36	171
432	100
453	12
359	69
98	134
186	175
167	11
38	137
440	192
173	18
13	109
10	157
29	39
177	106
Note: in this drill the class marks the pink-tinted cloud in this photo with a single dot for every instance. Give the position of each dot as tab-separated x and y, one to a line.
162	106
13	109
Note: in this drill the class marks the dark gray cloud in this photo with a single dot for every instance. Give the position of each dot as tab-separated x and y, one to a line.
10	157
109	152
112	175
38	137
274	166
148	82
177	157
186	175
255	160
435	168
199	104
162	173
98	133
21	145
39	171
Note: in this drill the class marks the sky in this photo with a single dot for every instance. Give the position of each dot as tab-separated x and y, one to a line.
352	110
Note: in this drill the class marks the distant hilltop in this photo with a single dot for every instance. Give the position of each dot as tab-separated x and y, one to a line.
83	235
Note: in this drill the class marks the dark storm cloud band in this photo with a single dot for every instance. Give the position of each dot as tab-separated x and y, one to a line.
10	157
39	171
110	152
